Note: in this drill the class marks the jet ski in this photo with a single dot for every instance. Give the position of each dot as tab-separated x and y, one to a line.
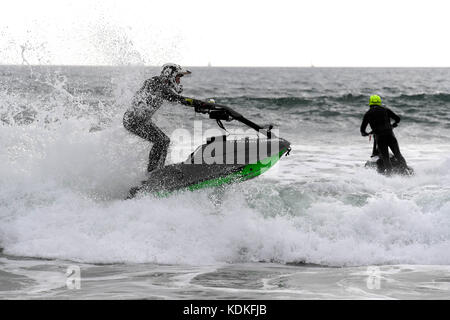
376	162
220	160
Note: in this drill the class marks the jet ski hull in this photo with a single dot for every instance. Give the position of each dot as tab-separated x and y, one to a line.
201	170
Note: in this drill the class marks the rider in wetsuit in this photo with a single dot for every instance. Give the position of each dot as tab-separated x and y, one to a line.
138	118
379	119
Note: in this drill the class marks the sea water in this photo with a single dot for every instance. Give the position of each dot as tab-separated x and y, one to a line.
317	225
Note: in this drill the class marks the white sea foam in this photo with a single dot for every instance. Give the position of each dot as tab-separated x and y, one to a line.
64	200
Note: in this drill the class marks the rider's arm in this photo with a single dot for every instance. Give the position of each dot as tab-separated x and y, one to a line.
392	115
173	97
364	124
199	105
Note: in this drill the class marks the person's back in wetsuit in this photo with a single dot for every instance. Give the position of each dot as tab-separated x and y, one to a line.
379	118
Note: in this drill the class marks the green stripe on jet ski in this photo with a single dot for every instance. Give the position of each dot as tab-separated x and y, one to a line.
248	172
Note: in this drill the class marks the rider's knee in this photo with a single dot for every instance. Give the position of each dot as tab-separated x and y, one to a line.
165	140
162	142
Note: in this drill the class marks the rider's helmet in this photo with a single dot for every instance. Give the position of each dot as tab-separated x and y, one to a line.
172	73
375	100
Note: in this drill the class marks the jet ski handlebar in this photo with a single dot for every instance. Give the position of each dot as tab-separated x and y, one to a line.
221	112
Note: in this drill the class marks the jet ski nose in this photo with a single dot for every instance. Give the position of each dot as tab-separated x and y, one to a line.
284	144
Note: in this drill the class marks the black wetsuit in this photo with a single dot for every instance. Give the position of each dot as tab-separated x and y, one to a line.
379	119
138	118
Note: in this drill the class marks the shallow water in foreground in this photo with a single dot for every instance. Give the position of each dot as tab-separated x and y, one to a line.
38	279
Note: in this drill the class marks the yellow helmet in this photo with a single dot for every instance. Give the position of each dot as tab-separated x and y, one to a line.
375	100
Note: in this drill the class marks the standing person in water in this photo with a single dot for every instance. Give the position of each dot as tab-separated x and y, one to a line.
147	100
379	118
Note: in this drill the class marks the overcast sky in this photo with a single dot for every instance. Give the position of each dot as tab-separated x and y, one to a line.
226	33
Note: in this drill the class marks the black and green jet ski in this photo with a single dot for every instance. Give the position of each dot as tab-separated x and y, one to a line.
220	160
376	162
